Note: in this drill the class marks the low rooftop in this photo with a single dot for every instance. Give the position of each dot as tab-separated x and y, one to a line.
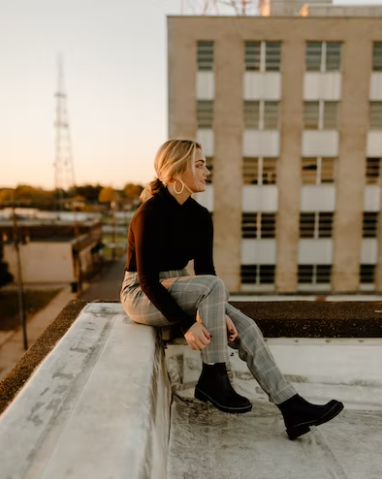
92	398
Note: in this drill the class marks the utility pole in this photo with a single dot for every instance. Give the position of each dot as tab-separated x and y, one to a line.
16	242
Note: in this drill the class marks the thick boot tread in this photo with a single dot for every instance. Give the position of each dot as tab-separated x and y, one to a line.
202	396
302	428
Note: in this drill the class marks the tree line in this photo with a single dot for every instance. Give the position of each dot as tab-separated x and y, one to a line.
81	198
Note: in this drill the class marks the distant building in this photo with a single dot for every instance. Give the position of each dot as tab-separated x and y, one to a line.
52	252
289	113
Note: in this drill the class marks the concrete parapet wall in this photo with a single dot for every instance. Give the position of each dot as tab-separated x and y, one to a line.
91	398
98	407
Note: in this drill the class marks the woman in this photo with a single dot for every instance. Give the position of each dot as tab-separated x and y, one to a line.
169	229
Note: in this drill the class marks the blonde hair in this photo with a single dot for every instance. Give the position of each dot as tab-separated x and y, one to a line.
171	160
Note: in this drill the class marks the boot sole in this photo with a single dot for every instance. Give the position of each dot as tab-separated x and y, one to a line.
202	396
303	428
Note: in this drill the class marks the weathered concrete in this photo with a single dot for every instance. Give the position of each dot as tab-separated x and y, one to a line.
27	363
206	443
97	407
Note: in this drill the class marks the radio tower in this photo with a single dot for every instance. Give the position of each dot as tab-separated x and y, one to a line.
63	166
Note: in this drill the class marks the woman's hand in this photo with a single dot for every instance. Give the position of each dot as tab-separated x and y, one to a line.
198	336
231	329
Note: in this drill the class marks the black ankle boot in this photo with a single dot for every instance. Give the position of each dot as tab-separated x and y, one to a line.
214	386
299	414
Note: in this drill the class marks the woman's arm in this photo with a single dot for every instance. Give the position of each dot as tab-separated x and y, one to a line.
203	261
148	236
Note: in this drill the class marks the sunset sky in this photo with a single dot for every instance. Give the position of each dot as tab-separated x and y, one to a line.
115	74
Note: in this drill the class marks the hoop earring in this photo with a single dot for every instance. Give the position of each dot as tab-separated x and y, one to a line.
179	192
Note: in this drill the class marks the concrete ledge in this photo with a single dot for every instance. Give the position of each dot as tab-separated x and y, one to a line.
307	319
16	378
350	319
98	407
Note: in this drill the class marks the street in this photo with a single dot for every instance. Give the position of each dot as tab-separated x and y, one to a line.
106	286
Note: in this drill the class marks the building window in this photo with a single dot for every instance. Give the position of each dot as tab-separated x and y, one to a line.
307	225
258	225
261	115
314	274
327	173
375	115
252	114
205	113
311	115
257	274
316	225
251	171
272	56
330	115
372	170
210	166
271	115
323	56
268	171
317	171
325	225
262	56
320	115
259	171
377	56
205	55
367	273
370	224
252	56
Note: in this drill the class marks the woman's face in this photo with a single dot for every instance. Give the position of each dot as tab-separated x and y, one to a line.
196	182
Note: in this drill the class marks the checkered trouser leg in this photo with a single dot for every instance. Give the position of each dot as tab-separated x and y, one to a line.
254	351
208	296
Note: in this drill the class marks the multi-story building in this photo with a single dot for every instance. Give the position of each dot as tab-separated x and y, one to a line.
289	113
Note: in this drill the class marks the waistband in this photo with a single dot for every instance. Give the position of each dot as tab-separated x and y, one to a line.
132	276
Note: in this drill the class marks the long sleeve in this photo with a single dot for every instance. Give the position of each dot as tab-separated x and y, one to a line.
148	236
203	261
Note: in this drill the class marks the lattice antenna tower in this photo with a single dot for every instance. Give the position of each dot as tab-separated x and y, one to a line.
63	166
216	7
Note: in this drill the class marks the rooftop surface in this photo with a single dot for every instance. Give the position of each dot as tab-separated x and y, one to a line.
97	405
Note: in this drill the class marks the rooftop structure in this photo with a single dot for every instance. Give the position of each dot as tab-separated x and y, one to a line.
96	397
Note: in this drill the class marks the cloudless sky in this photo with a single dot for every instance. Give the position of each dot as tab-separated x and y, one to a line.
115	67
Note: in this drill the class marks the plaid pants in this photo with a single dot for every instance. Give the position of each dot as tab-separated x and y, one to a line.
208	296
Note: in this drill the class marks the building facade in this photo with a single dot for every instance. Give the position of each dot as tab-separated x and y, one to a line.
289	113
60	252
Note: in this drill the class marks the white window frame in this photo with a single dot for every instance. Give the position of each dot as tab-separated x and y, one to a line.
323	58
263	56
259	223
314	275
321	104
316	226
198	64
319	161
257	275
261	114
375	214
260	170
379	69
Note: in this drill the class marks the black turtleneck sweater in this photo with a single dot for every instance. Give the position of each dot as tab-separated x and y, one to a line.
165	236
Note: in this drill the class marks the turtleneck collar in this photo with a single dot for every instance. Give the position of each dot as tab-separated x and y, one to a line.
167	196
